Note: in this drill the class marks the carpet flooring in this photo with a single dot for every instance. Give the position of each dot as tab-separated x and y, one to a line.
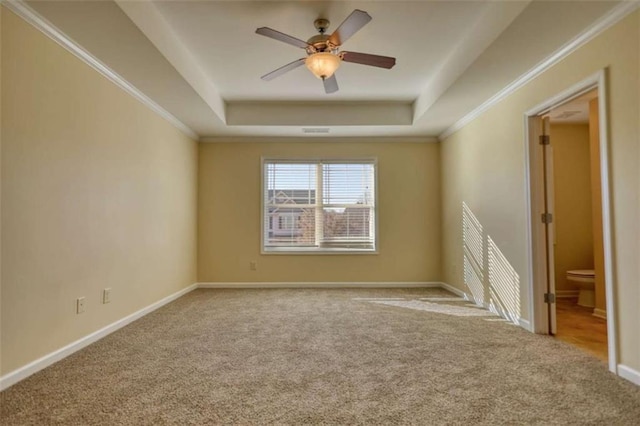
323	356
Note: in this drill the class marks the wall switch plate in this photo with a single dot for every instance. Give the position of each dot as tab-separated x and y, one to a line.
253	265
106	295
80	305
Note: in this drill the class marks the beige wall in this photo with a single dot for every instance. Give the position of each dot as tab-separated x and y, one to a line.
97	191
483	165
572	201
408	212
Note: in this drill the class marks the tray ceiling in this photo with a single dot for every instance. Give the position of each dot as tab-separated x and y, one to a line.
202	61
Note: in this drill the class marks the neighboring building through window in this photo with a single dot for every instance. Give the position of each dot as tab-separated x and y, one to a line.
341	218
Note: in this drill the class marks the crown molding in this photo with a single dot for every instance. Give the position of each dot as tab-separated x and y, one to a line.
602	24
146	16
495	18
320	138
20	8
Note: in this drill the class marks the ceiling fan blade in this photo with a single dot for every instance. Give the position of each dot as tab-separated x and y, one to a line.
367	59
277	73
330	84
350	26
277	35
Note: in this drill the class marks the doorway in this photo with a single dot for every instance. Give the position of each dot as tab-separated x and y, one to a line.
577	224
571	290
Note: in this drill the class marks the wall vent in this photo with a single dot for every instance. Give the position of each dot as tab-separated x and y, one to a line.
315	130
566	114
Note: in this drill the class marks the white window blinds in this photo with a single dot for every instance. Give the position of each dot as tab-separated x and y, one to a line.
319	206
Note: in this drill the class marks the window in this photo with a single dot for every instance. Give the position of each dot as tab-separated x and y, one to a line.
325	206
286	222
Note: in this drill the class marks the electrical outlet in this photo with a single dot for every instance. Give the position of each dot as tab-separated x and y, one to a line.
253	265
106	295
80	305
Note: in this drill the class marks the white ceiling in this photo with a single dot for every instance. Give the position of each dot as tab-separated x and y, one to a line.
425	41
575	111
202	61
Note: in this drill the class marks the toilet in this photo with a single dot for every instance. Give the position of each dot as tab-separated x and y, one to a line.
585	279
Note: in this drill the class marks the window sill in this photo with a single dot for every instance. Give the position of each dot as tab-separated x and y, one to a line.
316	251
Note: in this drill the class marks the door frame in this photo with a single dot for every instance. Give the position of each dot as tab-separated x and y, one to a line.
547	204
536	252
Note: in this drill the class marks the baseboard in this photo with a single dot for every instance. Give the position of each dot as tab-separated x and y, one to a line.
567	294
526	324
600	313
455	291
629	373
367	284
22	373
324	284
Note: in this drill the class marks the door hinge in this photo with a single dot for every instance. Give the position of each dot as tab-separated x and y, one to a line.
545	140
546	218
549	298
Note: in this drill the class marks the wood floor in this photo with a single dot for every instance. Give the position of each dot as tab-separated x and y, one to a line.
577	325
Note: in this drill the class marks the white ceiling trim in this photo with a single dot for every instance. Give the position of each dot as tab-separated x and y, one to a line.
148	19
47	28
602	24
318	138
486	29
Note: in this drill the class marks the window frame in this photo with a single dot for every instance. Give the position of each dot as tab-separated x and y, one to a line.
318	250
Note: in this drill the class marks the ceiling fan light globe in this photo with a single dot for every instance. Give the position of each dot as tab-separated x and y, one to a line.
323	64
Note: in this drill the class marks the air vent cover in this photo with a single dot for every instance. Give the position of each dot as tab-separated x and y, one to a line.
566	114
315	130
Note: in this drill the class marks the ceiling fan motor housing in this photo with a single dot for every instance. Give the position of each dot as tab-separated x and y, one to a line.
320	42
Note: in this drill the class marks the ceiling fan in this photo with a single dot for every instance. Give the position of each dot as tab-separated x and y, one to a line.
323	51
